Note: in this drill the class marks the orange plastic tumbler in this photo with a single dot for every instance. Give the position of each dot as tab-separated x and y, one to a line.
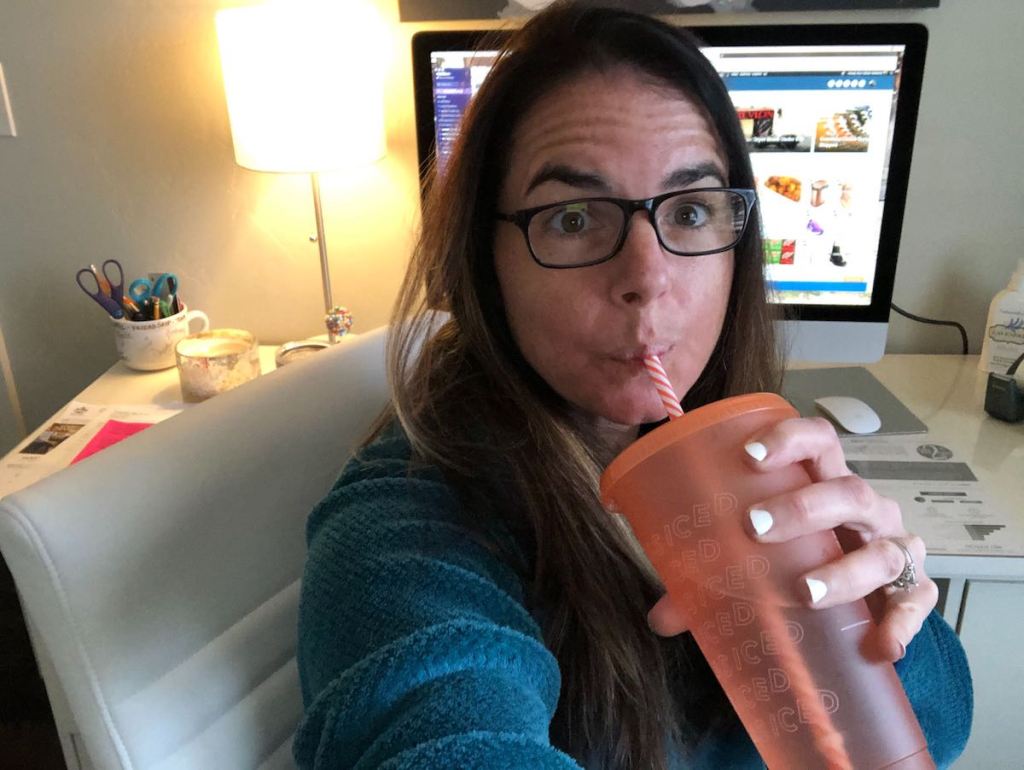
796	676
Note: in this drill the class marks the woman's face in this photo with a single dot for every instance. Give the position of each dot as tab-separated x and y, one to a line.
586	330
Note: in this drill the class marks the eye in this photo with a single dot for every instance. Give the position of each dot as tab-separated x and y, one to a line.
571	221
689	214
580	218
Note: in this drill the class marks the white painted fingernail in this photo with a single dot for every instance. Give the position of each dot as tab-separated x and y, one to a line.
817	588
761	520
757	450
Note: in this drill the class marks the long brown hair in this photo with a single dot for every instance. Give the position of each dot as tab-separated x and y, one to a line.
526	470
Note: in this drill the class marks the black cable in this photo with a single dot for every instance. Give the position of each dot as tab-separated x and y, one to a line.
1013	367
921	319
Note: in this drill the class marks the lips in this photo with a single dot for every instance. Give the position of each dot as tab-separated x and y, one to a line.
638	353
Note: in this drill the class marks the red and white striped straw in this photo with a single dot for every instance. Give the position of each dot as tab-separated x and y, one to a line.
661	383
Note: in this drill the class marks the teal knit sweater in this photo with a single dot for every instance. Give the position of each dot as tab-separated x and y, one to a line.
416	650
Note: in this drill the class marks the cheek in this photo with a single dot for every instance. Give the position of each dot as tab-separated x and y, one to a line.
518	287
713	298
704	317
543	309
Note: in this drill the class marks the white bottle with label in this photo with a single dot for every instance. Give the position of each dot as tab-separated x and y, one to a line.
1004	332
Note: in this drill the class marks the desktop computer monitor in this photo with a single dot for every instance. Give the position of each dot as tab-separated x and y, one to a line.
829	112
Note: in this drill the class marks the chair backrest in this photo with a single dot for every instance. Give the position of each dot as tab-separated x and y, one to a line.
161	576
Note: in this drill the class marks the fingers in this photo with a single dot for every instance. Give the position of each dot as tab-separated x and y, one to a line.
812	441
864	520
903	618
846	501
860	572
665	619
864	573
835	498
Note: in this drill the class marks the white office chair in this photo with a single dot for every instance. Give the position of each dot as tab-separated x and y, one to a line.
160	578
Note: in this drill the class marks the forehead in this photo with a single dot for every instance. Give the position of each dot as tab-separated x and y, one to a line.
618	124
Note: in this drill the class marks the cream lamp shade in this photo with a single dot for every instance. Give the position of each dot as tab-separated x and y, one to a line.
304	84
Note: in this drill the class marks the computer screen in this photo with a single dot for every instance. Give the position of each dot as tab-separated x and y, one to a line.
829	114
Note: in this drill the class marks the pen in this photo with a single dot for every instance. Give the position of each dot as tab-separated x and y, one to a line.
133	310
172	296
155	302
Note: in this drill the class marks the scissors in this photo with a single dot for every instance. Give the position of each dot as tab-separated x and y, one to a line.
107	293
143	289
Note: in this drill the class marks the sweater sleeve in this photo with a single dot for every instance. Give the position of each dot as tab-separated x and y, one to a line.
415	647
938	684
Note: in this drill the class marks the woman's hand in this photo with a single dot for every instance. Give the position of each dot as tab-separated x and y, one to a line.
863	520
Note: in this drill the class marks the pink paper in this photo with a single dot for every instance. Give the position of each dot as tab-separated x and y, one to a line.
111	432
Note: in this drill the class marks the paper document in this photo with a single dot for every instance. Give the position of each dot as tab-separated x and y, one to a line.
78	431
941	498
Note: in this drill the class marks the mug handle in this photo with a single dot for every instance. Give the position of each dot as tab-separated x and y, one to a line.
197	315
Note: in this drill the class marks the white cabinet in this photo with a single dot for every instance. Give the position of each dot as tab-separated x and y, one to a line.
992	632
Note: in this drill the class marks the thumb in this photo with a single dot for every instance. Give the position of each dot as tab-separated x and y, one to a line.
666	619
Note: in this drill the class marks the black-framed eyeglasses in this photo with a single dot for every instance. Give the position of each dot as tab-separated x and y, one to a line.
587	231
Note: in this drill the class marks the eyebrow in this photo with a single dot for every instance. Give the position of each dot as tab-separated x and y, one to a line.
681	177
558	172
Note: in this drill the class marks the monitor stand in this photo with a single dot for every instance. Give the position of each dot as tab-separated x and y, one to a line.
801	386
839	342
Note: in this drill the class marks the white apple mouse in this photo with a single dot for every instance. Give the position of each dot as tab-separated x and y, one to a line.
850	414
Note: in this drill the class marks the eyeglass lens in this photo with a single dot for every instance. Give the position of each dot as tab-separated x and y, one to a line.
587	231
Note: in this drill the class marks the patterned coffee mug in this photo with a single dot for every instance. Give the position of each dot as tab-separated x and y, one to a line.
149	345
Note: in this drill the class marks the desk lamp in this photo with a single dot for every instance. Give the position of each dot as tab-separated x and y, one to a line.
305	94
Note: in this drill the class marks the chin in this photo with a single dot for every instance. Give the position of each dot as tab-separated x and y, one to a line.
631	411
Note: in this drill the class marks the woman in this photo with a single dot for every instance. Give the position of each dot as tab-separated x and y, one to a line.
467	600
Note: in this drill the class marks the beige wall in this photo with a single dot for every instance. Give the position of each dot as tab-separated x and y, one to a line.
124	151
11	426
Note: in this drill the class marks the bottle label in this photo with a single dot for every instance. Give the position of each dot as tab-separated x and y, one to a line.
1012	332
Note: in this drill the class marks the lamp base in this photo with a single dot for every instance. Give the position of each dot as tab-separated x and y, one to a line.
293	351
338	321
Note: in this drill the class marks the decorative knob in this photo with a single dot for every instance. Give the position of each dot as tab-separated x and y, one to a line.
338	321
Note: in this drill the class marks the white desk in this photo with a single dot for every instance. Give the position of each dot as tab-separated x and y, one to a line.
946	392
121	385
985	595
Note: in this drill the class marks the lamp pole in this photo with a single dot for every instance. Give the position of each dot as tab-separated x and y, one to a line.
337	319
321	240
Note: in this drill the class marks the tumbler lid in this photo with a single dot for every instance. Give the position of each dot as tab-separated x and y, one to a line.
692	422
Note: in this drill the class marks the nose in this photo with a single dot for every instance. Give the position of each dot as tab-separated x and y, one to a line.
643	269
